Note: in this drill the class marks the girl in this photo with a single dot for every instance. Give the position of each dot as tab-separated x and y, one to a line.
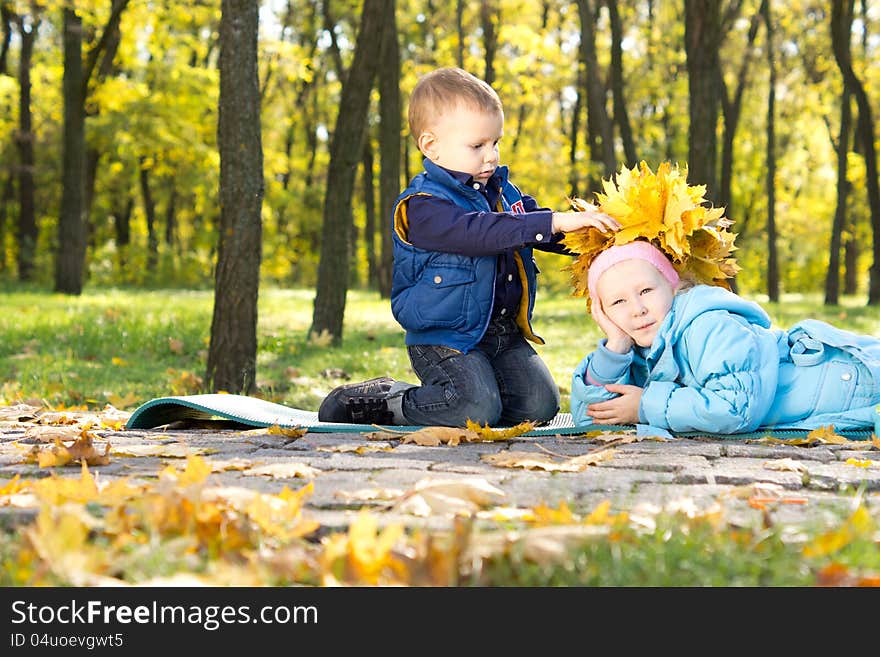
691	358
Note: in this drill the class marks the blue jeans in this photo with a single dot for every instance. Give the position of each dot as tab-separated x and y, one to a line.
501	382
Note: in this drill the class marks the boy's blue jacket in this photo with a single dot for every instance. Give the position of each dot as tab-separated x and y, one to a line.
717	366
446	298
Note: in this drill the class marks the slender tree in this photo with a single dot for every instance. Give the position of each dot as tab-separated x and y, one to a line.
232	355
732	109
600	135
71	247
841	32
832	277
621	115
390	116
345	154
489	15
772	251
27	232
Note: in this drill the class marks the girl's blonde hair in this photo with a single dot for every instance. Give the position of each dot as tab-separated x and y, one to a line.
444	89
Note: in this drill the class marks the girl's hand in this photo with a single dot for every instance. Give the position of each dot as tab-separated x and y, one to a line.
618	341
620	410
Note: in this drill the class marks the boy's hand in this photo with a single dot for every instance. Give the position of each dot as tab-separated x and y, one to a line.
565	222
618	341
620	410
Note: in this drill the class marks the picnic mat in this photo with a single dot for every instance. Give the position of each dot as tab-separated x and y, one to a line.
254	412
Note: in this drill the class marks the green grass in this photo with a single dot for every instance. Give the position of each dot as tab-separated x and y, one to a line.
126	347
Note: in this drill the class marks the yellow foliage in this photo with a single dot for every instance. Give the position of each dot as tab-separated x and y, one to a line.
363	555
487	433
663	209
860	523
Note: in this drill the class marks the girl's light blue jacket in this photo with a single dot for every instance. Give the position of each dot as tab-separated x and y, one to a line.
718	366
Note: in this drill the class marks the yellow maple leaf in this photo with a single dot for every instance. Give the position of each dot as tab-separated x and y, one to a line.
826	434
535	461
57	490
363	555
860	523
434	436
545	515
663	209
485	432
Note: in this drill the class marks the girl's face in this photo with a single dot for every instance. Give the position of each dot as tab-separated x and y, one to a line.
636	298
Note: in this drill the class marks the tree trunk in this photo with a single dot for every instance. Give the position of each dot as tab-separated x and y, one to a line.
150	215
27	233
574	174
832	277
488	21
171	218
107	49
621	116
5	201
71	254
345	152
731	111
459	31
841	19
390	116
232	354
70	261
600	135
122	230
6	18
702	39
772	253
369	193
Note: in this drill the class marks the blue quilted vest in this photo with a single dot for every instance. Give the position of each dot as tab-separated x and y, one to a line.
446	298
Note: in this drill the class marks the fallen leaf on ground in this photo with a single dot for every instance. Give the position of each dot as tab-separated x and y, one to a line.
434	436
449	496
59	454
860	463
383	435
283	471
786	465
357	449
822	436
42	434
485	432
18	413
535	461
230	464
369	494
172	450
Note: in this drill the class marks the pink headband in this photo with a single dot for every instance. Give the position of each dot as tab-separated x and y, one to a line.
638	250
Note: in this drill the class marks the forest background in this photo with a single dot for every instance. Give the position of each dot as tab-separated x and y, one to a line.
112	142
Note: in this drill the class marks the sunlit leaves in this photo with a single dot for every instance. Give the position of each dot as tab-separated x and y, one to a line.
660	207
537	461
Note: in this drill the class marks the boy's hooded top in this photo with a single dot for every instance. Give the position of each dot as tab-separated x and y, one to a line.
446	298
717	366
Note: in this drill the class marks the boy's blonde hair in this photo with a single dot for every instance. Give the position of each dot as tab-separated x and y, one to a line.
444	89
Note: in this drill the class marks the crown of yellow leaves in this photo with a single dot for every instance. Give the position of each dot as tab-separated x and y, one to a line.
662	208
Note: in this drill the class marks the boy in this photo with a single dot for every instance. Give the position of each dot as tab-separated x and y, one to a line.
464	279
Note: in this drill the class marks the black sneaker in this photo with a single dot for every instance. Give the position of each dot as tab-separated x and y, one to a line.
358	403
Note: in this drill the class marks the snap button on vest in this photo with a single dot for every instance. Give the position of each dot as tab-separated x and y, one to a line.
846	377
438	279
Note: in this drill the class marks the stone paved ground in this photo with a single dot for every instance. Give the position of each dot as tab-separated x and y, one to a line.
695	472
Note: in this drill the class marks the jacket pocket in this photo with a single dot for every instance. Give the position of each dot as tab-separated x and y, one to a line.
442	298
